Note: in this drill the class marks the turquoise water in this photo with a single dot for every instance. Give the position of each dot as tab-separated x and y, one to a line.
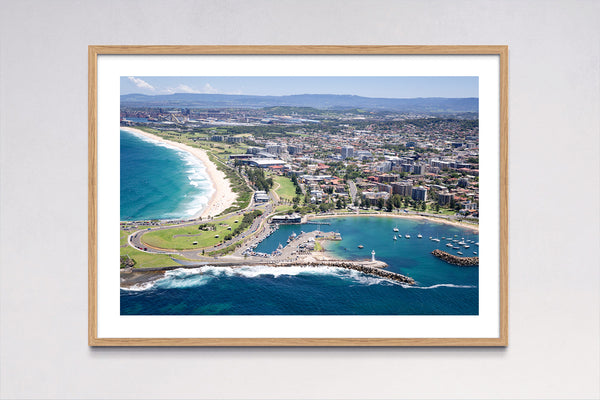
441	289
160	182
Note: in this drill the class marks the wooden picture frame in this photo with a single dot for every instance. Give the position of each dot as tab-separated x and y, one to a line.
95	336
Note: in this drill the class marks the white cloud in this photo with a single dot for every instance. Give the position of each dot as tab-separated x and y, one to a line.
209	89
142	84
185	89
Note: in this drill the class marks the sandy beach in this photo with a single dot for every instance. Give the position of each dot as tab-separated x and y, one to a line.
223	197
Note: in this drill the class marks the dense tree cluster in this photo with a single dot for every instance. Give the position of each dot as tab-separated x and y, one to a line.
258	179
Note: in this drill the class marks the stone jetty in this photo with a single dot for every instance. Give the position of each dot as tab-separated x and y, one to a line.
130	276
366	267
452	259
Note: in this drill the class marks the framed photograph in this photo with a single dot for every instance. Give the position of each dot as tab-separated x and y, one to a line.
298	196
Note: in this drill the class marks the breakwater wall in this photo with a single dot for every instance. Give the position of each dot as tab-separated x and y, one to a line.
455	260
366	267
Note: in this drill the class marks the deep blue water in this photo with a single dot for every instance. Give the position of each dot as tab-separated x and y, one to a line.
160	182
441	289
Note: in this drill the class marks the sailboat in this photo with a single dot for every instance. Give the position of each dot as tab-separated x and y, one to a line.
396	229
420	236
395	237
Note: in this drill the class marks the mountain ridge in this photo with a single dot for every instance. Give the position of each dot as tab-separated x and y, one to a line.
320	101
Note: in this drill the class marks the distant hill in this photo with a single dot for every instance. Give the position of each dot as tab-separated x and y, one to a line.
319	101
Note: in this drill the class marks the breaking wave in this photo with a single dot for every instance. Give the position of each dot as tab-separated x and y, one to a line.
194	277
440	285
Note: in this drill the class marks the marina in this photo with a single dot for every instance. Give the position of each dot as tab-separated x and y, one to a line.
294	278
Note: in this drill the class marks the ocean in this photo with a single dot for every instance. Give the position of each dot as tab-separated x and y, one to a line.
441	289
159	181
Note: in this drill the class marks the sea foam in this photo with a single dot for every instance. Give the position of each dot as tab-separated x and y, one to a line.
194	277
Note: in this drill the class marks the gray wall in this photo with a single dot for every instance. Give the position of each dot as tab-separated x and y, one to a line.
554	218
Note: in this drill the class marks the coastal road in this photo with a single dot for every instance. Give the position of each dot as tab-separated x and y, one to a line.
258	225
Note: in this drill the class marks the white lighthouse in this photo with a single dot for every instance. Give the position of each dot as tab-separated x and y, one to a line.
372	255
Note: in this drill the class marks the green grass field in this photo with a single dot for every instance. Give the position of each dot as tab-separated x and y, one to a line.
283	209
287	190
169	239
146	260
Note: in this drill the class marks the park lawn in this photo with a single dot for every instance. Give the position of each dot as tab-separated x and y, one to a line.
283	209
146	260
287	190
123	237
165	238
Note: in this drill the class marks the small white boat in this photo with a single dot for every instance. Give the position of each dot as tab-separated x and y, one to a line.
395	237
435	240
466	246
475	252
420	236
396	229
407	236
458	252
448	244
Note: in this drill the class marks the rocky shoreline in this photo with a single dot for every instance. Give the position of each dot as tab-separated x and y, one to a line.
455	260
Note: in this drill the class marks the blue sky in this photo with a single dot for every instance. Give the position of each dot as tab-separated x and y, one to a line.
390	87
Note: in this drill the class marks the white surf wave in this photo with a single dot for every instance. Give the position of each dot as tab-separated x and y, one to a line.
194	277
196	174
440	285
139	287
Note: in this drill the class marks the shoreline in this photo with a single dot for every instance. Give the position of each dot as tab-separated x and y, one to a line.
222	197
407	216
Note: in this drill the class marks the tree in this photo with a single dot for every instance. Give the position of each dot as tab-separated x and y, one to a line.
437	207
389	205
380	203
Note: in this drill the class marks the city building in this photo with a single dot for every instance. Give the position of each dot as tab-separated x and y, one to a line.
383	187
235	139
402	188
372	198
347	152
445	198
419	169
294	149
419	193
287	219
260	196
